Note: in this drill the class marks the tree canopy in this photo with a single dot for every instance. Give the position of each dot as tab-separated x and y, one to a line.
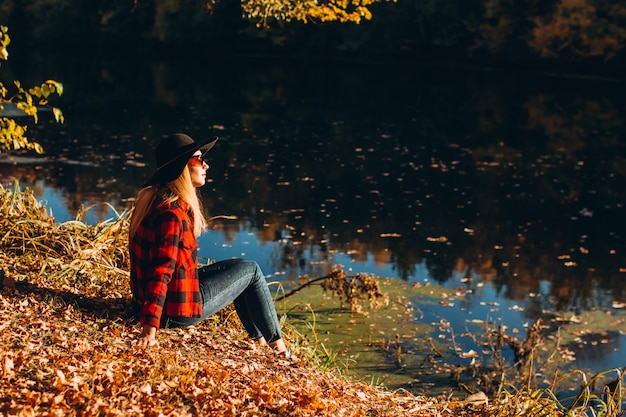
485	31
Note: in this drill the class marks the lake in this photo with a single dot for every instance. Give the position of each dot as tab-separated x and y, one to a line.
504	188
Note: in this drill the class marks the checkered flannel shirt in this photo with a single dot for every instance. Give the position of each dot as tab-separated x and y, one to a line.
164	261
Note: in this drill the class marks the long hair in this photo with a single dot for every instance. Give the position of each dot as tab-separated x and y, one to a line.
180	188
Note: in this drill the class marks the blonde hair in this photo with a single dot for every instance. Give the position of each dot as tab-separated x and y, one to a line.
180	188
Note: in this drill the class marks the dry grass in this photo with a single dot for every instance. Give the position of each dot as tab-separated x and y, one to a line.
66	345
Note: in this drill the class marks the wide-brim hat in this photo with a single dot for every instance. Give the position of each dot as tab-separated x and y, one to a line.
172	154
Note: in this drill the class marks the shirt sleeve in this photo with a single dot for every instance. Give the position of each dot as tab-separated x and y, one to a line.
167	228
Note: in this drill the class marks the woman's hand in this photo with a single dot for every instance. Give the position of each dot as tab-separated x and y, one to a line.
148	337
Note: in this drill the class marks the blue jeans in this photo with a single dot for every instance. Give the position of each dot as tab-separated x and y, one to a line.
239	281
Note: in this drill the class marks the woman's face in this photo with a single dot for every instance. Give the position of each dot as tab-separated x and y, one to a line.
197	169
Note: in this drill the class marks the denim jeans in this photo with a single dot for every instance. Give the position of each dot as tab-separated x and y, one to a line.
239	281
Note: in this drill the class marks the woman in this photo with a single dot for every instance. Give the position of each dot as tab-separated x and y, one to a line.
168	288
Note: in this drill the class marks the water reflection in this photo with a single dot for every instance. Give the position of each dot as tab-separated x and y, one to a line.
513	180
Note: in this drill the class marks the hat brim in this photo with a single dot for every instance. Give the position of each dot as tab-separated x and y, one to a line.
174	167
208	146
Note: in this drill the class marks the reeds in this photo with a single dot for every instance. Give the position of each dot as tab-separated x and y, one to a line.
88	259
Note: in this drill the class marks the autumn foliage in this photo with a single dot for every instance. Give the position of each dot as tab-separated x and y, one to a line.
533	31
309	11
577	28
27	102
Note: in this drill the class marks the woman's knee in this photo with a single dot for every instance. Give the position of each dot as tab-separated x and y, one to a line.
248	265
253	270
239	267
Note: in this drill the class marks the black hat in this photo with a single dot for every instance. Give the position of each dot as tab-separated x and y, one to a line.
172	154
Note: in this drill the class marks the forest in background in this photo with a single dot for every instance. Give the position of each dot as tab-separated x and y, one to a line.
580	35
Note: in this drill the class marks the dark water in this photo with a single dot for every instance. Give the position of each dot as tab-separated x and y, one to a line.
509	185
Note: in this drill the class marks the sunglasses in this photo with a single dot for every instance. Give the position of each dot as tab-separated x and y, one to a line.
198	160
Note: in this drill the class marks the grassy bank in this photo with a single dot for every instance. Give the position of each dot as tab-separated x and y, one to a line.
66	345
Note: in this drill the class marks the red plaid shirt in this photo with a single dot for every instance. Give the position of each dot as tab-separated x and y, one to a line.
163	265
